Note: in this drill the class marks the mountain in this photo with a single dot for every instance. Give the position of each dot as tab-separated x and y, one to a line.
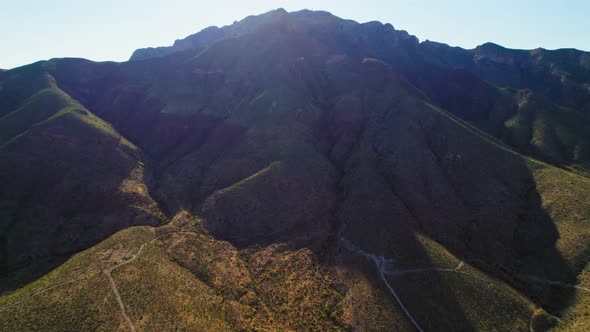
297	171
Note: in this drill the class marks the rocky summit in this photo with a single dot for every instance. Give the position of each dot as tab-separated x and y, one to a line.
296	171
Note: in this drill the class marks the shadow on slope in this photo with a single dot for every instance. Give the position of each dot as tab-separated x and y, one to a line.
396	168
69	180
446	180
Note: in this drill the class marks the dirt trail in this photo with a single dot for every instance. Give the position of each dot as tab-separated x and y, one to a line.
6	307
383	267
381	264
114	288
47	289
119	299
425	269
535	279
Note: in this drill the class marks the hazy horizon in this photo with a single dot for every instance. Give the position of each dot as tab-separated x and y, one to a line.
111	31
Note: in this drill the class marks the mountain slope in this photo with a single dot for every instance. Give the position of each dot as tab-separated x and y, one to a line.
307	172
68	177
455	78
162	288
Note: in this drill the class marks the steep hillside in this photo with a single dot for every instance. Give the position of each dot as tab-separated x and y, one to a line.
68	179
179	277
464	82
294	171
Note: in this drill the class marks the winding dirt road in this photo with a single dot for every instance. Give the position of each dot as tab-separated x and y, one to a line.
114	288
380	263
535	279
107	272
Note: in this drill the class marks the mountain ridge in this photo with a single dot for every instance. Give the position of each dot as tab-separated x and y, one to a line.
224	32
312	173
564	81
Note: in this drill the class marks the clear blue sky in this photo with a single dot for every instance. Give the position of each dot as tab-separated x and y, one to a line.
32	30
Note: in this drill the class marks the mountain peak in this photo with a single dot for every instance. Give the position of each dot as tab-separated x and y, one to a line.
280	11
212	34
310	20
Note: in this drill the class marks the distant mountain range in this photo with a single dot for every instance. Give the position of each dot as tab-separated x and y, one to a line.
297	171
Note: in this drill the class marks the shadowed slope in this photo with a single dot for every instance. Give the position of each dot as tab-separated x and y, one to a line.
69	179
270	148
461	81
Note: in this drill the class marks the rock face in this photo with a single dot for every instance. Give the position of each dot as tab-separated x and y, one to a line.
209	36
201	39
266	145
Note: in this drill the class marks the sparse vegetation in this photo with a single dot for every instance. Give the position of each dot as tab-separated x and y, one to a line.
211	188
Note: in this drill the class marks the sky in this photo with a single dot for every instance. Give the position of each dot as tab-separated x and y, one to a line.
32	30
